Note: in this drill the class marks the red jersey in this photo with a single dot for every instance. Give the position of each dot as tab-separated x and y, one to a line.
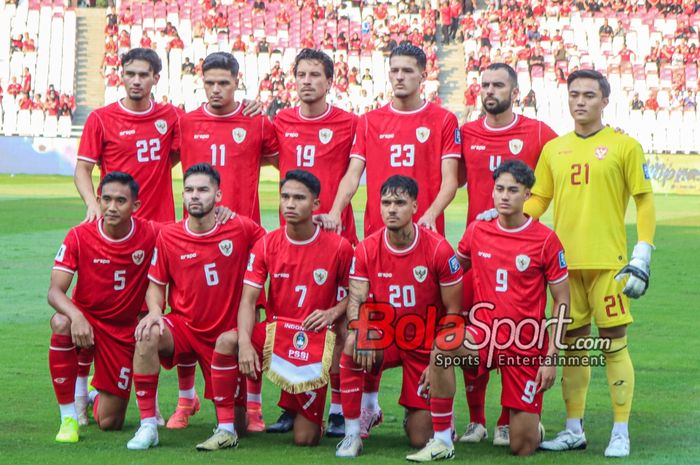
304	275
321	146
235	145
512	267
138	143
410	143
409	279
485	148
112	281
204	272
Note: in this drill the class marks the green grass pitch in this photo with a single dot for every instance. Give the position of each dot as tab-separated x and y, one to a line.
38	210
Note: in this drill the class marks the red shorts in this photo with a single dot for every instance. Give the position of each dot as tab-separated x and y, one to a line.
114	357
414	363
310	404
518	386
186	346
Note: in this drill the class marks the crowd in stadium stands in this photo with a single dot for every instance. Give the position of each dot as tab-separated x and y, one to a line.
271	28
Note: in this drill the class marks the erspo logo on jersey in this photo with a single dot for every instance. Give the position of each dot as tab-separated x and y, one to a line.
379	327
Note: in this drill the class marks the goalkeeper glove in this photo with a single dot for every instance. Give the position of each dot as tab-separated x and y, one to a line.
637	271
487	215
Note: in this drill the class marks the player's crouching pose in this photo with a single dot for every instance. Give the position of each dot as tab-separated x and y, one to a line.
202	262
111	258
308	270
514	259
411	269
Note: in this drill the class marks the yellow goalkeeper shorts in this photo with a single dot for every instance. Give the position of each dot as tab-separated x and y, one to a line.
596	295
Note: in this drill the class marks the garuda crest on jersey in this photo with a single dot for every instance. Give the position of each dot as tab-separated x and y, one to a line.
161	126
515	146
226	247
239	135
325	135
522	262
138	257
601	152
422	134
320	276
420	273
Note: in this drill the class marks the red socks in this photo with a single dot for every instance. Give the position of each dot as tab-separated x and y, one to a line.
63	366
335	388
441	413
351	381
476	397
224	380
146	387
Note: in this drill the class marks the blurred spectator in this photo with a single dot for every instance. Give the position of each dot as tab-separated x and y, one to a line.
26	80
14	88
651	103
187	67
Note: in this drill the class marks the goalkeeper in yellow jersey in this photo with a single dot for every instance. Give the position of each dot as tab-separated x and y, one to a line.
590	175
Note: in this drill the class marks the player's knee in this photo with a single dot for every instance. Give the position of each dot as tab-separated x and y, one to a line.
113	422
418	439
147	345
227	343
523	448
60	324
307	438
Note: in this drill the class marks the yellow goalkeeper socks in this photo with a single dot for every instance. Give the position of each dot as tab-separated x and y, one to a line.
575	380
620	379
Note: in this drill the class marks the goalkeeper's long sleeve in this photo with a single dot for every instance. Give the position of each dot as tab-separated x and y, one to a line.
646	217
536	206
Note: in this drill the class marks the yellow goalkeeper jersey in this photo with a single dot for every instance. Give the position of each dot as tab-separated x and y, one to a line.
590	181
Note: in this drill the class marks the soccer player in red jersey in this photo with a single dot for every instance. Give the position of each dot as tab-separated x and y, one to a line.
134	135
308	270
219	133
316	136
111	258
412	269
236	144
515	259
201	262
410	137
499	136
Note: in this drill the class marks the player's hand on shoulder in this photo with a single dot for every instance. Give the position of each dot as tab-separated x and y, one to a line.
487	215
637	271
92	213
329	222
143	329
223	214
429	221
252	107
318	320
545	377
248	360
81	331
618	130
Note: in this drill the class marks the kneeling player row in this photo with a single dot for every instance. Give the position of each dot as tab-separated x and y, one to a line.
216	271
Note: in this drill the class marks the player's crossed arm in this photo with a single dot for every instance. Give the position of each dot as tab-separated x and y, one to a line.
80	328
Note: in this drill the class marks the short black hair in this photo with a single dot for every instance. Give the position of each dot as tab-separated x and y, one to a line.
306	178
312	54
221	60
590	74
144	54
203	168
398	184
522	173
122	178
410	50
512	75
